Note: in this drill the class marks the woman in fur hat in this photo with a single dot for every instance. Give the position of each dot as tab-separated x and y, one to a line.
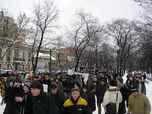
112	98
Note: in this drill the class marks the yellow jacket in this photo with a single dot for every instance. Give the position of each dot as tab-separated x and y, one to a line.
80	107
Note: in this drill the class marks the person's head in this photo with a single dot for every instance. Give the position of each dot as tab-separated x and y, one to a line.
54	88
84	89
139	78
26	89
134	91
113	83
58	77
131	78
36	88
47	77
75	93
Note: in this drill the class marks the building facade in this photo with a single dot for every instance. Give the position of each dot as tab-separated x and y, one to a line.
14	52
19	58
65	57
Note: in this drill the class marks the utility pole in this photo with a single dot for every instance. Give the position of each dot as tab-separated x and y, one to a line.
50	62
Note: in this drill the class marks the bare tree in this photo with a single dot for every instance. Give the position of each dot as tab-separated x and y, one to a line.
33	42
59	45
45	16
145	50
84	30
90	58
144	2
126	39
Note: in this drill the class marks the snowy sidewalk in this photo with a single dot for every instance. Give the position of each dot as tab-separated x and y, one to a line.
1	106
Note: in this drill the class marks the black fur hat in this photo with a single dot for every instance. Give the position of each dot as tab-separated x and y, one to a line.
113	83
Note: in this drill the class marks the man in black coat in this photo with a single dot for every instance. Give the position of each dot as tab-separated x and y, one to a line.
89	95
101	88
57	94
38	102
14	97
129	84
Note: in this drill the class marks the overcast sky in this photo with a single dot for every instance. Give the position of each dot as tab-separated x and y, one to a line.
105	10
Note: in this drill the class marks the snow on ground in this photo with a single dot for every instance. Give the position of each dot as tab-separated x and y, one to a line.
96	112
1	106
149	94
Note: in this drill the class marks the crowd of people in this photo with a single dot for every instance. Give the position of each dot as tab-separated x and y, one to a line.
71	94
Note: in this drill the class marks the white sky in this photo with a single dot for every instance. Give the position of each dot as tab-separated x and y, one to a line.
105	10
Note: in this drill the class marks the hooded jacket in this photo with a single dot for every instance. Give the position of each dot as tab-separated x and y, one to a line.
112	95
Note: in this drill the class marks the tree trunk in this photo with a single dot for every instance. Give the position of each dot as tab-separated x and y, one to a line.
77	64
50	63
37	54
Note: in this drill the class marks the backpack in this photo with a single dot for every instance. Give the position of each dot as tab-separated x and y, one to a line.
111	108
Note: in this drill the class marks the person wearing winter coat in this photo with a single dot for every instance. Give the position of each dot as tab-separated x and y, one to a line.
141	83
57	94
39	102
138	103
101	88
112	98
76	104
14	97
122	106
89	95
129	85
